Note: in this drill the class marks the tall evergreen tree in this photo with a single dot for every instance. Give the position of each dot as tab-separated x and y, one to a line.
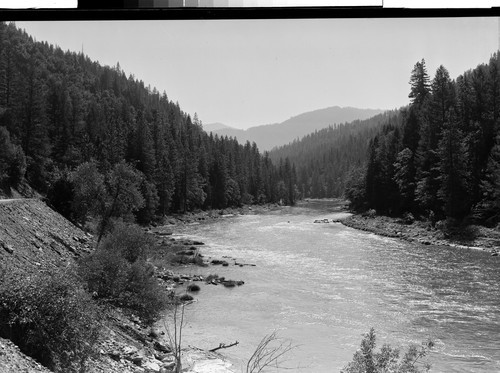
437	108
419	81
453	189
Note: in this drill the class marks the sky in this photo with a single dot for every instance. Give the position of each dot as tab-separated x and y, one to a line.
245	73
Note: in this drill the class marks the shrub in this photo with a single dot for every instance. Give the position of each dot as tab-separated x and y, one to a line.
128	241
118	272
51	318
211	277
408	218
371	213
366	360
193	287
180	258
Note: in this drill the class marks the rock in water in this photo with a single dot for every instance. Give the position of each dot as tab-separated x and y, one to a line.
186	298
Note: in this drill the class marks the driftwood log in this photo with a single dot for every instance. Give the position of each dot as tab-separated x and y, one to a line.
223	345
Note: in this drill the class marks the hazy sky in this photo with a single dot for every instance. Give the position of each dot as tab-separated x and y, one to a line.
251	72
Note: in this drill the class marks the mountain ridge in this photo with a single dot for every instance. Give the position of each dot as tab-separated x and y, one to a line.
268	136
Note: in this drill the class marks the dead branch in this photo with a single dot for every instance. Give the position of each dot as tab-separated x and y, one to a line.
269	352
223	345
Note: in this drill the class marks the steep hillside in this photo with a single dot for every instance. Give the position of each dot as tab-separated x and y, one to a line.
269	136
32	235
13	360
35	238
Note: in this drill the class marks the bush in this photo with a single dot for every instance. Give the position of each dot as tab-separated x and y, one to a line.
119	273
366	360
128	241
51	318
371	213
211	277
408	218
181	258
193	287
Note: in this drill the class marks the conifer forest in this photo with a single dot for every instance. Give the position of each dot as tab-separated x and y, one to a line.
86	135
65	120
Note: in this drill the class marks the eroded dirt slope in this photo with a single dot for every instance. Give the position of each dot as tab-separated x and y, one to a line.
33	235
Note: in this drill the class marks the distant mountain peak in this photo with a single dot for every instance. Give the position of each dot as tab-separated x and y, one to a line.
212	127
269	136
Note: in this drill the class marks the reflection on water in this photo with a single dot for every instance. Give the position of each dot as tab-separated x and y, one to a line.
324	285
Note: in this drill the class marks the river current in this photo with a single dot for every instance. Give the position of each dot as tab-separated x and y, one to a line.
321	286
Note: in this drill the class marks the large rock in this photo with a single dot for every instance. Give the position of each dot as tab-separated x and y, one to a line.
162	347
8	248
115	355
186	298
136	359
154	333
130	350
151	366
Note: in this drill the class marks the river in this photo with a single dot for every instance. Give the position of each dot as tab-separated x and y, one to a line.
321	286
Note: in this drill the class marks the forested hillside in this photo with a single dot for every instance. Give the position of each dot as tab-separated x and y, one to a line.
80	132
442	159
326	159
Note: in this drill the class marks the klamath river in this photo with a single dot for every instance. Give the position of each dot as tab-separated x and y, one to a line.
323	285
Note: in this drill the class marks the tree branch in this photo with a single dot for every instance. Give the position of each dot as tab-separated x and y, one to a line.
223	345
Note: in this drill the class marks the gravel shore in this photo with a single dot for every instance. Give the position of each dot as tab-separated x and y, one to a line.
472	236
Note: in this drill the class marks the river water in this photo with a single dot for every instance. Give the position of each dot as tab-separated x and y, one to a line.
321	286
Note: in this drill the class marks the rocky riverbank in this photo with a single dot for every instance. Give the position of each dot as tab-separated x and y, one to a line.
33	237
200	216
423	232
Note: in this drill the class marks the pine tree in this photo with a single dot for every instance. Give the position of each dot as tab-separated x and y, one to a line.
489	208
437	108
33	125
419	82
164	176
144	150
453	189
404	177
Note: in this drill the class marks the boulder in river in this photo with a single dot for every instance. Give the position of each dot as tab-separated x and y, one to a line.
218	262
229	284
185	298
